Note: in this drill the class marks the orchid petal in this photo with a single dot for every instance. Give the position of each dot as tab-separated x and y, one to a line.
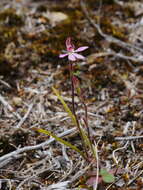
81	48
63	55
78	56
69	44
71	57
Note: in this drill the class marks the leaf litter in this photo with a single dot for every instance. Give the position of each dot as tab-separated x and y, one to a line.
111	77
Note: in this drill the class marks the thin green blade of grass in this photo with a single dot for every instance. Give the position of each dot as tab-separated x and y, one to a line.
86	139
67	109
71	115
66	143
88	143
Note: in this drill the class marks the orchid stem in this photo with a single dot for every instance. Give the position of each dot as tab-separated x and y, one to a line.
72	88
73	108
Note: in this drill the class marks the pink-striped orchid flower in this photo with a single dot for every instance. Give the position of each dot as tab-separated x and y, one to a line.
71	52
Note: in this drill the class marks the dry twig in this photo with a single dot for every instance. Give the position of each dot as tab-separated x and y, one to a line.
132	180
113	153
135	50
8	106
128	138
25	117
13	155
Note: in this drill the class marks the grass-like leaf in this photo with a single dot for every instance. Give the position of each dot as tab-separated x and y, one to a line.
67	109
85	138
88	143
66	143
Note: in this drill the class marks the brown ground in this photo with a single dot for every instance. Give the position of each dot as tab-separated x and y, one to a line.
32	35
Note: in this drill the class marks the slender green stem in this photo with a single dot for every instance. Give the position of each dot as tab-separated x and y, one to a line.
72	88
73	108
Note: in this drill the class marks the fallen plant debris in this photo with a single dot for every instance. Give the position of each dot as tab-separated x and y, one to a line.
108	87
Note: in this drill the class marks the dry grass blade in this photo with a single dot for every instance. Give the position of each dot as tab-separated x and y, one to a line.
60	140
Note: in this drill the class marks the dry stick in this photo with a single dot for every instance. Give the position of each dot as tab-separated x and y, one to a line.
8	181
61	185
120	55
31	177
24	181
109	38
8	106
5	84
132	180
128	138
25	117
14	154
131	58
97	168
66	157
80	173
114	54
5	162
113	153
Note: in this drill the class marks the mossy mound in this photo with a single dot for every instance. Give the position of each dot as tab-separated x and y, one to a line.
10	23
10	18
